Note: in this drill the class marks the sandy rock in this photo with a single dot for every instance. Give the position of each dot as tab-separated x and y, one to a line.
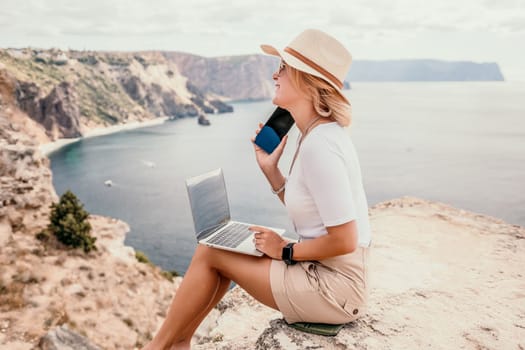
60	112
5	232
281	337
26	189
16	345
107	295
63	338
236	323
214	75
28	97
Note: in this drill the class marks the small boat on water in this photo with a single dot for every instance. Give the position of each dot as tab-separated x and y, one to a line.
108	183
149	164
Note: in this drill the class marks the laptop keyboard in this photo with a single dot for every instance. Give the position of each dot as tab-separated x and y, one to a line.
232	235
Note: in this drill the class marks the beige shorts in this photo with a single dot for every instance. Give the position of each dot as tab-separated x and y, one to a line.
332	290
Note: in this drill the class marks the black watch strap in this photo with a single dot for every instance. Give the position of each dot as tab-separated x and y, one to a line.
287	254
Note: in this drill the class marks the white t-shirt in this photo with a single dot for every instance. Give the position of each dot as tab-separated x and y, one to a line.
325	186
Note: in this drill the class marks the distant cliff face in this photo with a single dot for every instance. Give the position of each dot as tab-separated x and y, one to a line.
71	92
423	70
58	112
235	77
250	77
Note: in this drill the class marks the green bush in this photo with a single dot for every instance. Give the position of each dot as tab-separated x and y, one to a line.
169	275
68	222
142	257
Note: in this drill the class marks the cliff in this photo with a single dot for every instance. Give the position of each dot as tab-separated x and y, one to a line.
25	178
249	77
424	70
72	92
246	77
107	295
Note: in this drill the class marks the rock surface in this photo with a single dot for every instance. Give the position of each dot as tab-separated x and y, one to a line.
246	77
58	112
441	278
107	295
61	112
26	190
70	93
62	338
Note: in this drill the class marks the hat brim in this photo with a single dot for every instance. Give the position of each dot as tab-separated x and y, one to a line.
300	65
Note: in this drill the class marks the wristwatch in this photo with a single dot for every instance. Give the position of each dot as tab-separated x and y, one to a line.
287	255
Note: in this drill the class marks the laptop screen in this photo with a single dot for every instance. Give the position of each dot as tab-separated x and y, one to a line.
208	200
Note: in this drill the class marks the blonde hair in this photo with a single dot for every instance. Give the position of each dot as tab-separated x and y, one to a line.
326	100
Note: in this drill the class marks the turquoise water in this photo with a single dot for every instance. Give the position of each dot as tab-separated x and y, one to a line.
458	143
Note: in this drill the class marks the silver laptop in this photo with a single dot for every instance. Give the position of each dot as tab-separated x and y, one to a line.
211	215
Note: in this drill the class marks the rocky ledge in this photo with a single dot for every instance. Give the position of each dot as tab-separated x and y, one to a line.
106	295
25	180
441	278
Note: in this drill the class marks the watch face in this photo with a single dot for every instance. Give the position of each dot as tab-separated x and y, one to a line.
288	254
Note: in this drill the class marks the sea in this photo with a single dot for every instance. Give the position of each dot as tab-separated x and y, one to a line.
461	143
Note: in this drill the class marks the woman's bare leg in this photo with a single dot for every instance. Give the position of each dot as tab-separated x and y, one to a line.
201	289
224	284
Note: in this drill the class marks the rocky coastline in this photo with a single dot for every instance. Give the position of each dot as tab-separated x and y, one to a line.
69	93
50	147
441	277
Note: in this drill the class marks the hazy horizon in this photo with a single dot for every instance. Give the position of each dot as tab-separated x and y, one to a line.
474	30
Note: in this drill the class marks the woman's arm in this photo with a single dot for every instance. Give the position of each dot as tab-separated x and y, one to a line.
341	239
276	180
269	164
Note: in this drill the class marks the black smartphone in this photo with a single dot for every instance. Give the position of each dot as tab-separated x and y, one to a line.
275	128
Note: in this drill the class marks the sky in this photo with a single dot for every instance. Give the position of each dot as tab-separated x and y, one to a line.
452	30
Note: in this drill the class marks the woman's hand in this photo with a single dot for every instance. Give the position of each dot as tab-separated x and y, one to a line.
268	242
268	161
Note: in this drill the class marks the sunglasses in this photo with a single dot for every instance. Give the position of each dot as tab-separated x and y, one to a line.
282	66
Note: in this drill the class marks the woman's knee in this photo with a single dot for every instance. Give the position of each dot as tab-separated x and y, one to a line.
218	259
206	254
201	248
202	252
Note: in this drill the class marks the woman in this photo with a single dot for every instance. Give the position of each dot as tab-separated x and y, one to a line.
322	278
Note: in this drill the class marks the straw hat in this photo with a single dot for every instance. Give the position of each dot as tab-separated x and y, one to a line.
319	54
